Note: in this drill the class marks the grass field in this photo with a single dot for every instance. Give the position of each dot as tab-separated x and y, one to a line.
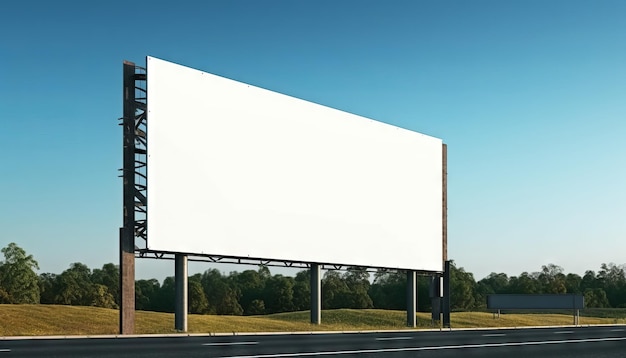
36	320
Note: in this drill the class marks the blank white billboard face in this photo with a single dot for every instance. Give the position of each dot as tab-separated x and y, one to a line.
236	170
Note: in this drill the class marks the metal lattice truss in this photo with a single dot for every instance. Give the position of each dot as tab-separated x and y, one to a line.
141	155
135	174
162	255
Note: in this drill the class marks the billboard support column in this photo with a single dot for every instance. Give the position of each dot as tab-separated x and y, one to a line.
444	202
181	281
316	294
127	285
435	298
446	295
411	298
444	236
127	232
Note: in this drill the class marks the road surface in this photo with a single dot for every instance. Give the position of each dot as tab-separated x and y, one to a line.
571	342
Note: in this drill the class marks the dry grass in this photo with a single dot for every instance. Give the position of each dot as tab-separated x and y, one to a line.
482	319
37	320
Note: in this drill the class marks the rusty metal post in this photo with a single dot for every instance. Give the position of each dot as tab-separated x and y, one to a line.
127	232
444	233
444	204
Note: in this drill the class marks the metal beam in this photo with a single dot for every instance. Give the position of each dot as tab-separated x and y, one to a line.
316	294
181	282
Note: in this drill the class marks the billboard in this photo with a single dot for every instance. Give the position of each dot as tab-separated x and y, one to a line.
535	301
237	170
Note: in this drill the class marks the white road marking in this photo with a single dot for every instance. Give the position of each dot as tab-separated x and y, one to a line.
494	335
617	330
415	349
230	344
563	332
392	338
5	351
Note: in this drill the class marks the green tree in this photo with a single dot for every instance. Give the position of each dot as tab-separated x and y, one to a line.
164	299
73	286
357	280
222	295
613	280
495	283
256	307
424	303
525	283
146	294
251	285
388	291
335	291
198	303
589	281
552	279
302	291
462	289
18	281
573	283
4	296
48	288
265	273
596	298
108	276
100	296
278	295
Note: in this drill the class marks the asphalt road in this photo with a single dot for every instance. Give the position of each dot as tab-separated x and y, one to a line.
577	342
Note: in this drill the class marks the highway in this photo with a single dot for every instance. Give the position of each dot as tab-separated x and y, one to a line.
577	342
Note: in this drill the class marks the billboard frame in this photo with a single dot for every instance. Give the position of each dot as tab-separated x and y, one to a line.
133	237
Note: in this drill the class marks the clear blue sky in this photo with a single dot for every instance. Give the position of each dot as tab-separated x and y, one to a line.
529	95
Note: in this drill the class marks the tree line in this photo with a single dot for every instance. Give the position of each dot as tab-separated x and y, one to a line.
255	292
